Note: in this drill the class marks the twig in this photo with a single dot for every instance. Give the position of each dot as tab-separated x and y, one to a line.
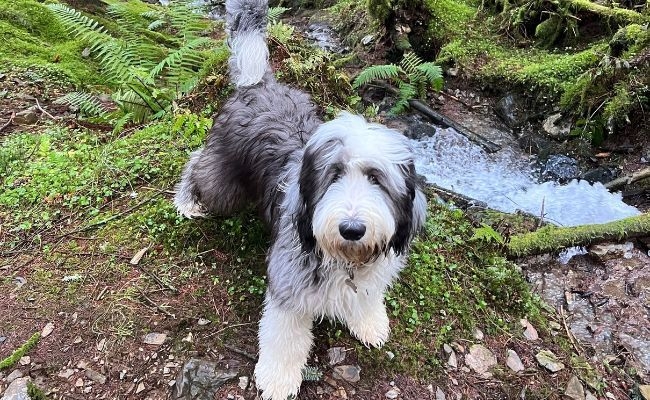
43	111
240	352
162	284
228	327
626	180
568	331
11	119
156	306
109	219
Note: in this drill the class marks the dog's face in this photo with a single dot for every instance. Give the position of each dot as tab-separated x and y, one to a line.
358	191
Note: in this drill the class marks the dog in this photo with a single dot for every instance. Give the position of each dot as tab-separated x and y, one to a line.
341	198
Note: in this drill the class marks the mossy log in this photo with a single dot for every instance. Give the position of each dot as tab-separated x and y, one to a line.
621	15
551	238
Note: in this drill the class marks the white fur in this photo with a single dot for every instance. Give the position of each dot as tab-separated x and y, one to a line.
250	58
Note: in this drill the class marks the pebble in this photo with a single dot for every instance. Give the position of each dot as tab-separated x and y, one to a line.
393	393
549	361
203	321
79	382
95	376
440	395
154	338
15	374
335	355
101	345
66	374
452	361
480	359
349	373
77	340
17	390
47	330
25	360
574	389
530	333
478	334
140	388
514	362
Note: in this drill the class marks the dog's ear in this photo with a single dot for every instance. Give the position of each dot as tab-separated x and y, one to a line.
410	212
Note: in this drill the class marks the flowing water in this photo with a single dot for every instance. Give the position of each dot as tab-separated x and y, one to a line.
506	181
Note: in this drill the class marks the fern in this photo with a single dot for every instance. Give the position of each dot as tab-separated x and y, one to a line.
274	13
87	104
412	77
377	72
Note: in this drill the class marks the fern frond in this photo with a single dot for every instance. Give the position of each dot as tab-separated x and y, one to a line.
87	104
407	91
375	72
274	13
432	73
187	53
125	17
157	24
78	24
186	19
410	62
311	374
152	15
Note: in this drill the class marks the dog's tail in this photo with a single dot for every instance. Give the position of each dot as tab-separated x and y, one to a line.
246	27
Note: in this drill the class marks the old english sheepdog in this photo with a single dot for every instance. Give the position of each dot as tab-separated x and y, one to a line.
341	198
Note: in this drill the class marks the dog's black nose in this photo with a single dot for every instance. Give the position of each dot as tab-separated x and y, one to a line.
352	230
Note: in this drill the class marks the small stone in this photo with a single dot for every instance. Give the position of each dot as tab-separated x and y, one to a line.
549	361
17	390
366	40
555	326
452	362
393	393
140	388
514	362
15	374
79	382
440	395
88	389
243	382
189	338
25	360
86	52
447	348
154	338
202	378
77	340
335	355
203	321
101	345
340	392
645	391
478	334
26	117
95	376
49	327
82	364
66	374
590	396
349	373
574	389
452	72
480	359
551	126
390	355
530	332
454	381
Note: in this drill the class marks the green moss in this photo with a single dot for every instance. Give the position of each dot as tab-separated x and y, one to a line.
32	37
20	352
620	15
449	18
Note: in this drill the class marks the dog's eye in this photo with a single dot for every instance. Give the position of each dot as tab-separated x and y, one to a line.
373	179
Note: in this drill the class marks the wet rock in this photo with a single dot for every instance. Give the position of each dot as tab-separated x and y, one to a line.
418	130
349	373
15	374
2	339
95	376
514	362
335	355
533	143
574	389
609	251
26	117
512	109
324	37
480	359
17	390
554	126
530	332
200	379
548	360
560	168
599	174
393	393
154	338
639	346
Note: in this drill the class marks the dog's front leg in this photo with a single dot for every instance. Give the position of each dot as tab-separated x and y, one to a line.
285	341
367	318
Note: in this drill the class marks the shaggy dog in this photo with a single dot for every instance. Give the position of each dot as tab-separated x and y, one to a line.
341	198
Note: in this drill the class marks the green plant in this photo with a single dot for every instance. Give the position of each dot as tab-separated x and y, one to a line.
19	352
412	76
147	76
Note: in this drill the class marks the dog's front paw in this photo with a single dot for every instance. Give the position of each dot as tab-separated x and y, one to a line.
372	330
277	381
191	209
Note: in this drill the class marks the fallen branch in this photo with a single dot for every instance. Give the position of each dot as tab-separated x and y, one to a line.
440	119
551	238
628	179
44	112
